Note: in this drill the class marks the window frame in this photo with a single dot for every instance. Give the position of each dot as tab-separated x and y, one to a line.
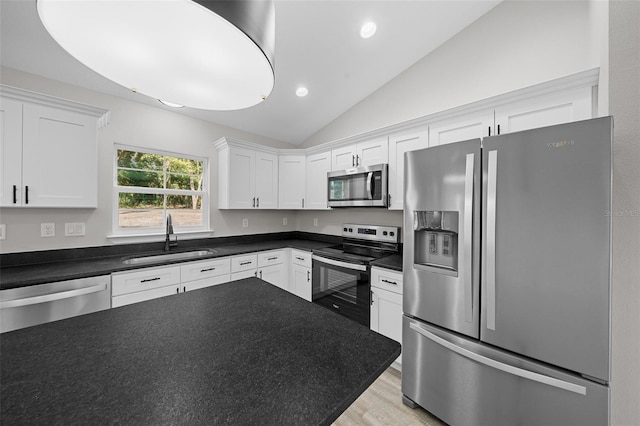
205	195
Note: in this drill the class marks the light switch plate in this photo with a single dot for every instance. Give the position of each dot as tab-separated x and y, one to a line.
47	230
245	223
3	231
284	221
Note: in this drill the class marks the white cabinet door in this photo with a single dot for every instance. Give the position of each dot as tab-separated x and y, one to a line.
291	181
556	108
318	165
343	157
276	275
142	280
266	180
50	155
241	178
386	314
461	128
301	282
362	154
10	152
398	145
372	152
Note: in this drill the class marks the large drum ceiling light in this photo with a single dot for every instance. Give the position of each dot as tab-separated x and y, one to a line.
215	55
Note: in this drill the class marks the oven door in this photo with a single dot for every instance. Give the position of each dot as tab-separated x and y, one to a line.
358	187
342	287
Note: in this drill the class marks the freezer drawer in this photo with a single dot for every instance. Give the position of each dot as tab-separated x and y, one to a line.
464	382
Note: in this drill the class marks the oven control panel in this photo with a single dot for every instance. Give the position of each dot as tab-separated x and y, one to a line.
389	234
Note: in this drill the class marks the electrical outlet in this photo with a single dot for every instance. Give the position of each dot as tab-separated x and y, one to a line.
47	230
315	221
74	229
245	223
284	221
3	231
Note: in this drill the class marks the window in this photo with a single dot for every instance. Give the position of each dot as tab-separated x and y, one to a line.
149	185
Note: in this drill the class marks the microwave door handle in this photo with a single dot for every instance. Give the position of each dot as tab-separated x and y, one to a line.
370	185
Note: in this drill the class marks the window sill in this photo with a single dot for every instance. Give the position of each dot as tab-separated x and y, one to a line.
152	238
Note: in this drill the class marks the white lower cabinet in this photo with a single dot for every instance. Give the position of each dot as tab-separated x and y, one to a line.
151	283
144	284
244	266
273	269
386	306
300	282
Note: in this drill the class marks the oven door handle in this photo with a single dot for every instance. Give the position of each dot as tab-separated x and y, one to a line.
345	265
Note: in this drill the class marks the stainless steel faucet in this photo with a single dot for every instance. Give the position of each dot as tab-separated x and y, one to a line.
169	230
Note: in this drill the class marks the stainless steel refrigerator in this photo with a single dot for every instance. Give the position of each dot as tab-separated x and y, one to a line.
507	263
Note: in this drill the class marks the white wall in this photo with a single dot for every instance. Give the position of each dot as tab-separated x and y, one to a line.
138	125
516	45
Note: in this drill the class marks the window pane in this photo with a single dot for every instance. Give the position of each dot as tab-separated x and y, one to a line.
181	181
140	179
140	210
140	160
184	165
185	210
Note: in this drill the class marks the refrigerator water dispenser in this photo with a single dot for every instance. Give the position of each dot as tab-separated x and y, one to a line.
436	241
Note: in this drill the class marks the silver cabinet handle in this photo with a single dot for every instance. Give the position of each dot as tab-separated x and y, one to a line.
246	263
303	203
510	369
467	227
53	296
300	258
272	258
149	280
389	282
258	202
353	161
254	201
492	181
207	269
308	276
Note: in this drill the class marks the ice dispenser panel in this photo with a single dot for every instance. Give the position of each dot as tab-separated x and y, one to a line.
436	241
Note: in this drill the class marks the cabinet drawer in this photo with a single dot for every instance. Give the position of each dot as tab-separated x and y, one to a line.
141	296
302	258
270	258
244	263
386	279
205	269
145	279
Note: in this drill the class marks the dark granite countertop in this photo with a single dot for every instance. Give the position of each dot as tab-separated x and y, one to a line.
59	265
244	352
390	262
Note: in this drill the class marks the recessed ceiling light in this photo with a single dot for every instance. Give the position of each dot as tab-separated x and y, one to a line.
170	104
368	30
302	91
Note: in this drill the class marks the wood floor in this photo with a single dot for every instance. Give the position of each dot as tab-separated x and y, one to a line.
381	404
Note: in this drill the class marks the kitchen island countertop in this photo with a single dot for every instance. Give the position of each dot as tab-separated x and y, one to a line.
244	352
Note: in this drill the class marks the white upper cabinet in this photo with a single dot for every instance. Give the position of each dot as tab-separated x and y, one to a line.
247	178
291	181
461	128
398	145
555	108
317	167
49	151
368	153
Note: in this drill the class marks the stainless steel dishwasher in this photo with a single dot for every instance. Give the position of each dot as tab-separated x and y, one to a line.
37	304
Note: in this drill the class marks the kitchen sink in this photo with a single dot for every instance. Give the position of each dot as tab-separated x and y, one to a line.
164	256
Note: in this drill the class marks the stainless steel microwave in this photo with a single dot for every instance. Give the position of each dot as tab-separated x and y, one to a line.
359	187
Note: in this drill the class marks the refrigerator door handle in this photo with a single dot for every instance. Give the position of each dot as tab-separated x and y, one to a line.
525	374
468	239
492	176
